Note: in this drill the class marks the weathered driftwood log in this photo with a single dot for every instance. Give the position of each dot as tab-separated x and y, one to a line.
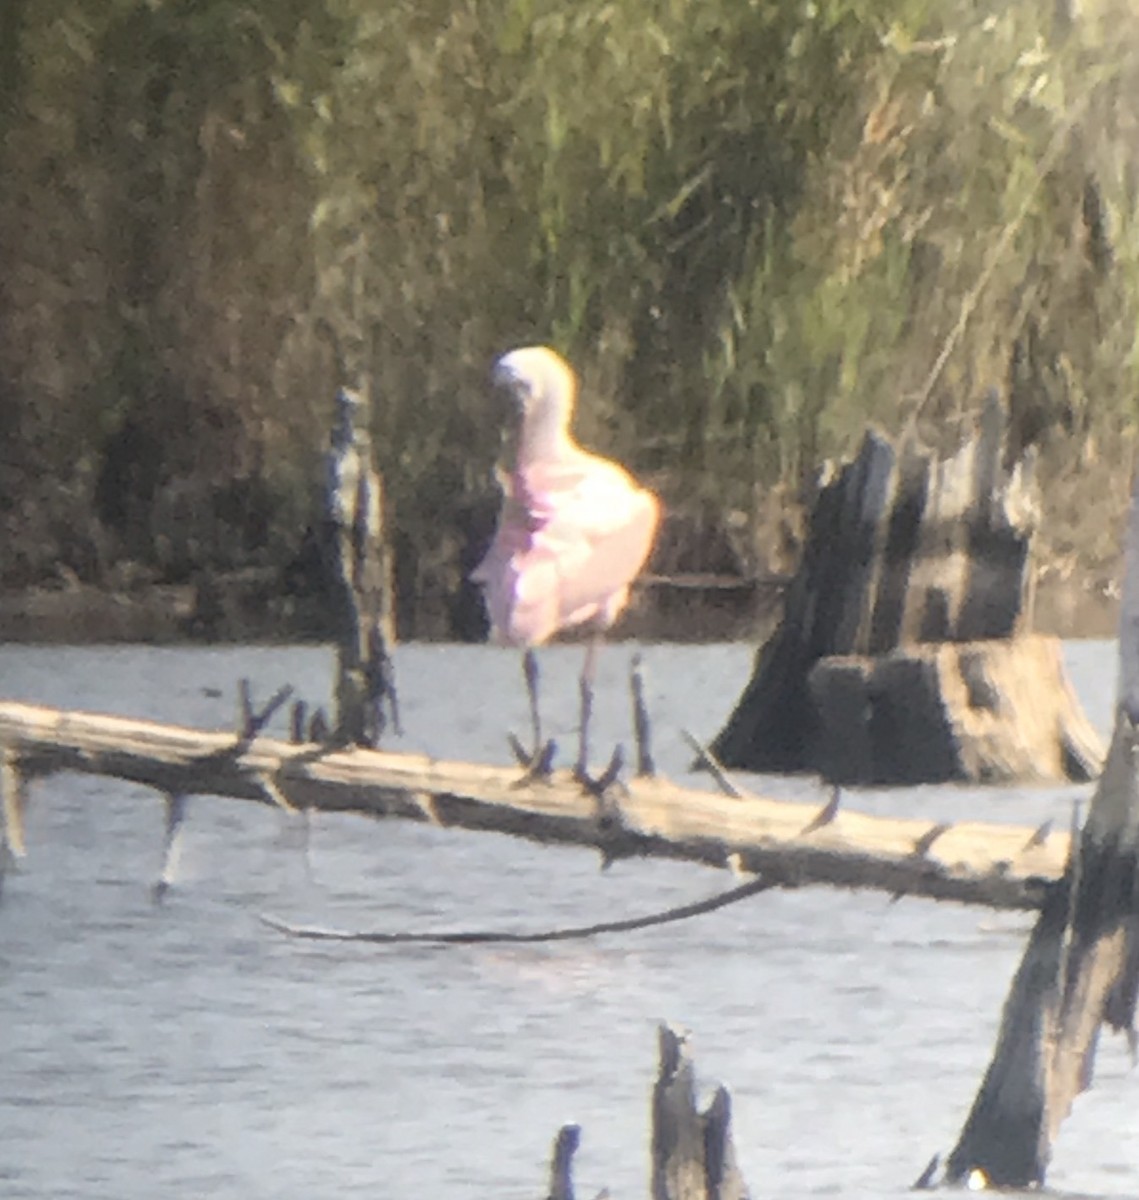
693	1156
361	570
988	711
903	550
786	844
1081	967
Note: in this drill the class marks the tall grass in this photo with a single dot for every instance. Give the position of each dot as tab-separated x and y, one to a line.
753	227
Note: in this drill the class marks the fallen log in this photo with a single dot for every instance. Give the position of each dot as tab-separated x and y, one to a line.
788	844
906	552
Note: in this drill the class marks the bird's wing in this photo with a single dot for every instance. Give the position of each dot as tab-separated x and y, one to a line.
598	534
571	538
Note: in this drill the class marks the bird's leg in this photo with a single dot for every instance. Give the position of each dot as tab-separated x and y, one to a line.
581	772
530	670
539	760
588	671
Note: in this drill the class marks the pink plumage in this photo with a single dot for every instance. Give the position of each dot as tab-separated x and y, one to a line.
575	528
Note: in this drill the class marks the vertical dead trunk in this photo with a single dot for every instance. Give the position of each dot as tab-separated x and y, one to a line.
1081	968
361	563
693	1157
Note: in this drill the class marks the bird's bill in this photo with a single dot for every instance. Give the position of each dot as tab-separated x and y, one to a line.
509	406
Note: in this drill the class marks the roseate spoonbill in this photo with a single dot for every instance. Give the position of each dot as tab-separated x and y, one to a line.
573	532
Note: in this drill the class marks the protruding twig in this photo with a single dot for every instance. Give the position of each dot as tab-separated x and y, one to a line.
561	1162
642	729
318	728
585	689
709	762
297	722
175	816
270	788
13	804
924	1181
734	862
1040	835
924	844
826	814
429	807
244	708
251	722
922	847
255	721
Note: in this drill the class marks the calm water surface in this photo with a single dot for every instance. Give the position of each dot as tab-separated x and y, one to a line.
188	1051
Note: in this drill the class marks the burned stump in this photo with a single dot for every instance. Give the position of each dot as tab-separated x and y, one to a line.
906	556
1080	970
992	712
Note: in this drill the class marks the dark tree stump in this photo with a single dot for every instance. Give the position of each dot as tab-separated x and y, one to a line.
904	554
1080	970
992	712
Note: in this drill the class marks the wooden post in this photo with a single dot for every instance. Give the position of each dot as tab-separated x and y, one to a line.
907	553
354	507
1081	967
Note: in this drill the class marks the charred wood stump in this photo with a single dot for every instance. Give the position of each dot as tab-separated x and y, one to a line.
991	712
1080	970
361	571
905	554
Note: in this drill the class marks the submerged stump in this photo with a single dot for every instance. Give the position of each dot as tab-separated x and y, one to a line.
693	1155
905	626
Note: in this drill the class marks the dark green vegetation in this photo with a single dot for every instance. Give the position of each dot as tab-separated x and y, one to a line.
753	226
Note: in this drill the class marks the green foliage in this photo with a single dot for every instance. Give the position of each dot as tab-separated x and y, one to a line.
753	225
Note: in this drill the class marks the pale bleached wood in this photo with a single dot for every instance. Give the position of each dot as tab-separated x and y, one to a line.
1000	866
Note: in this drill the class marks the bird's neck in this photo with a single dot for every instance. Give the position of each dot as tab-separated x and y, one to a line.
545	442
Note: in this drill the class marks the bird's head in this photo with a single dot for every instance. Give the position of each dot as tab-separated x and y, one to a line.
542	387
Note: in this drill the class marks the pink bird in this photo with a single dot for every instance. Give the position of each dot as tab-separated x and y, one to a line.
574	531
